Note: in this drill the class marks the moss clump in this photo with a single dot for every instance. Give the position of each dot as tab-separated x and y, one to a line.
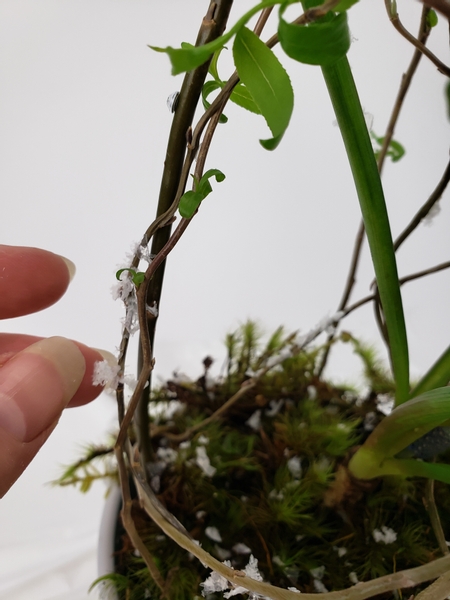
268	477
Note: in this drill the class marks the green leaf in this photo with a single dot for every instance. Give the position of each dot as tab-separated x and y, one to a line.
267	81
406	424
191	200
344	5
416	468
395	150
136	276
409	422
242	97
432	18
447	98
437	376
208	88
350	117
190	57
322	42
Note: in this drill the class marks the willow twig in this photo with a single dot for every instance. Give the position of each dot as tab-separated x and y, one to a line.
395	20
425	209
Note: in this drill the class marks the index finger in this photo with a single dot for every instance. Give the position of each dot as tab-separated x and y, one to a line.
31	279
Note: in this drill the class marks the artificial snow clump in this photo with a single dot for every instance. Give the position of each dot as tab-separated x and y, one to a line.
294	465
241	548
213	533
254	421
252	571
106	374
385	536
214	583
353	577
202	460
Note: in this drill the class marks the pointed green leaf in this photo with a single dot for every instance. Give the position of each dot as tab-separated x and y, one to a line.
188	58
437	376
266	80
432	18
322	42
242	97
190	201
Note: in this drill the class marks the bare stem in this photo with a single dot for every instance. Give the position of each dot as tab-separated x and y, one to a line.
430	505
395	20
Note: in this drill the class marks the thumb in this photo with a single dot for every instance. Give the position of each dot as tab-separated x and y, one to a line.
35	386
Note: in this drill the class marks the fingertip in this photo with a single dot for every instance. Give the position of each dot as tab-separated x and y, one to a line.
71	268
88	391
37	384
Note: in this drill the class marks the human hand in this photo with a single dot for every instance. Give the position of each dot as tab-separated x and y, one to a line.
39	377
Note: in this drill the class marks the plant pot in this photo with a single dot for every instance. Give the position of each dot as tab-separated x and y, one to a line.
107	543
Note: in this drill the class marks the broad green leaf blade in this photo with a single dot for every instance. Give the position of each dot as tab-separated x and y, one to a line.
189	202
188	58
437	376
213	173
242	97
266	80
409	422
319	43
350	117
344	5
410	468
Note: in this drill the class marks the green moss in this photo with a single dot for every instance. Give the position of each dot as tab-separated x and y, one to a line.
276	480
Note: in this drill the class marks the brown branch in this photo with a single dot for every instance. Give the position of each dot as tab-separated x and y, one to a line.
395	20
425	209
430	505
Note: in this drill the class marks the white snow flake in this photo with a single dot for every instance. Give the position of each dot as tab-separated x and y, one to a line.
203	461
385	536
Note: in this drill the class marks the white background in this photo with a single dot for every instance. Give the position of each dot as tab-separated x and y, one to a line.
83	128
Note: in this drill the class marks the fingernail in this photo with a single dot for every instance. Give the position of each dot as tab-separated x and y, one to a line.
70	266
37	384
108	356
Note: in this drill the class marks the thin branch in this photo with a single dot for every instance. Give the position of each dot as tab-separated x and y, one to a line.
425	209
430	505
402	280
212	27
395	20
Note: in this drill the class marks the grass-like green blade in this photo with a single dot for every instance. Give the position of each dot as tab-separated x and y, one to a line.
266	80
397	431
437	376
350	117
415	468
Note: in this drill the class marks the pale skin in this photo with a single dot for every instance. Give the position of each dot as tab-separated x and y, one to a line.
39	377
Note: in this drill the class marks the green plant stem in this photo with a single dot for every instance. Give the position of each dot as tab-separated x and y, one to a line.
424	32
213	26
350	117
